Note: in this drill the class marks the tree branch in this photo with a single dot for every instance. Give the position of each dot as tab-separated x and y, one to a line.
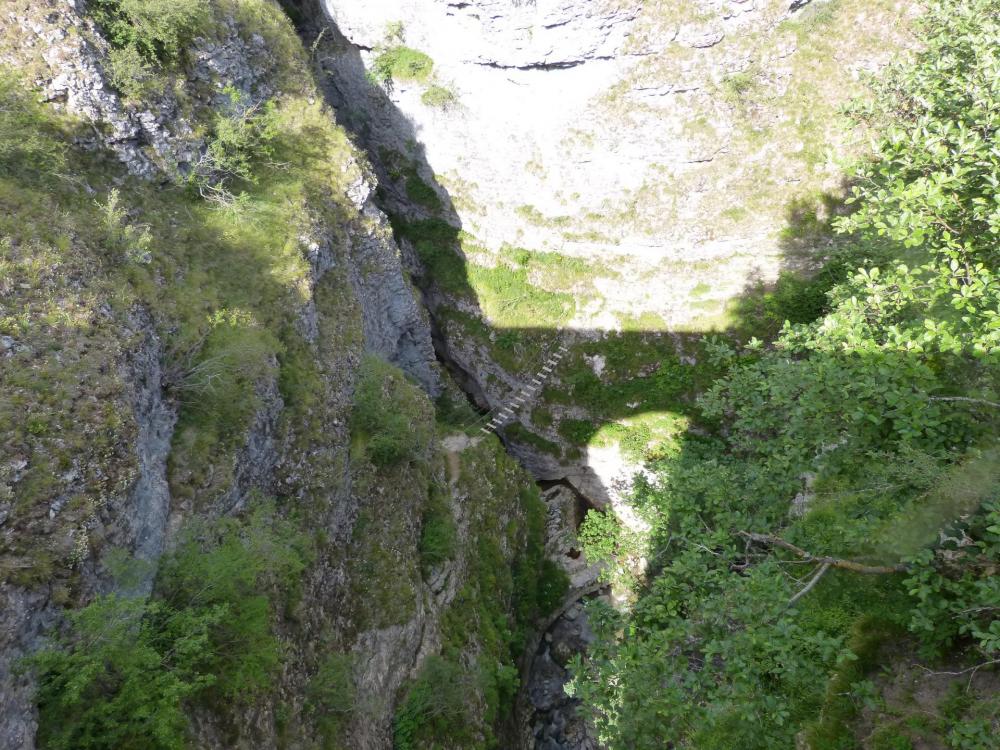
835	562
982	401
812	582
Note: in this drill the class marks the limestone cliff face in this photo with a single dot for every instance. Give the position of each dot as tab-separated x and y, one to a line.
642	163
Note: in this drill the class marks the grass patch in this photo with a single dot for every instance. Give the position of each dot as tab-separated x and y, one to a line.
390	416
521	434
439	97
128	667
421	193
401	63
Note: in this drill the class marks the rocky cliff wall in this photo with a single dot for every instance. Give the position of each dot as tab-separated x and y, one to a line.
165	358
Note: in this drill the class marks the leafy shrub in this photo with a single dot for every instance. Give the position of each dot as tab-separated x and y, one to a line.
124	236
132	74
125	668
30	142
439	97
436	710
956	601
156	30
332	697
390	416
401	63
244	136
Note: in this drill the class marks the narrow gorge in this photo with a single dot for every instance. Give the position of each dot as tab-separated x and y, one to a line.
542	374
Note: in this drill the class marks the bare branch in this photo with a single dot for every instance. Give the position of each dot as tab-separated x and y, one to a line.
974	669
835	562
982	401
812	582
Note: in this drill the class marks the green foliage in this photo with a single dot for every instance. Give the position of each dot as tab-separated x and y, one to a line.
244	136
438	532
133	241
421	193
600	536
147	35
332	696
958	596
454	410
401	63
439	97
553	585
436	244
934	181
160	29
877	417
388	416
437	706
126	667
539	584
30	141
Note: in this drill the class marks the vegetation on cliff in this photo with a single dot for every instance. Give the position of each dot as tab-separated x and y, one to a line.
202	289
839	511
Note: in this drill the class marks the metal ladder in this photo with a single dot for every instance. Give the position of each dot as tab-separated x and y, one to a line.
502	416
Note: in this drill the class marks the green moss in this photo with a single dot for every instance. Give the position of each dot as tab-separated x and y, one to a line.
402	64
421	193
438	533
436	244
439	97
390	416
520	434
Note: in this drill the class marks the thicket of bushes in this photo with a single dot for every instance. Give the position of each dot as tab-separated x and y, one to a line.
127	668
387	416
842	488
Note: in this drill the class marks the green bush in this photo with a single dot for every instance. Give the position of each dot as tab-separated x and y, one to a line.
401	63
437	708
125	668
157	30
391	417
438	532
439	97
332	697
243	137
30	142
